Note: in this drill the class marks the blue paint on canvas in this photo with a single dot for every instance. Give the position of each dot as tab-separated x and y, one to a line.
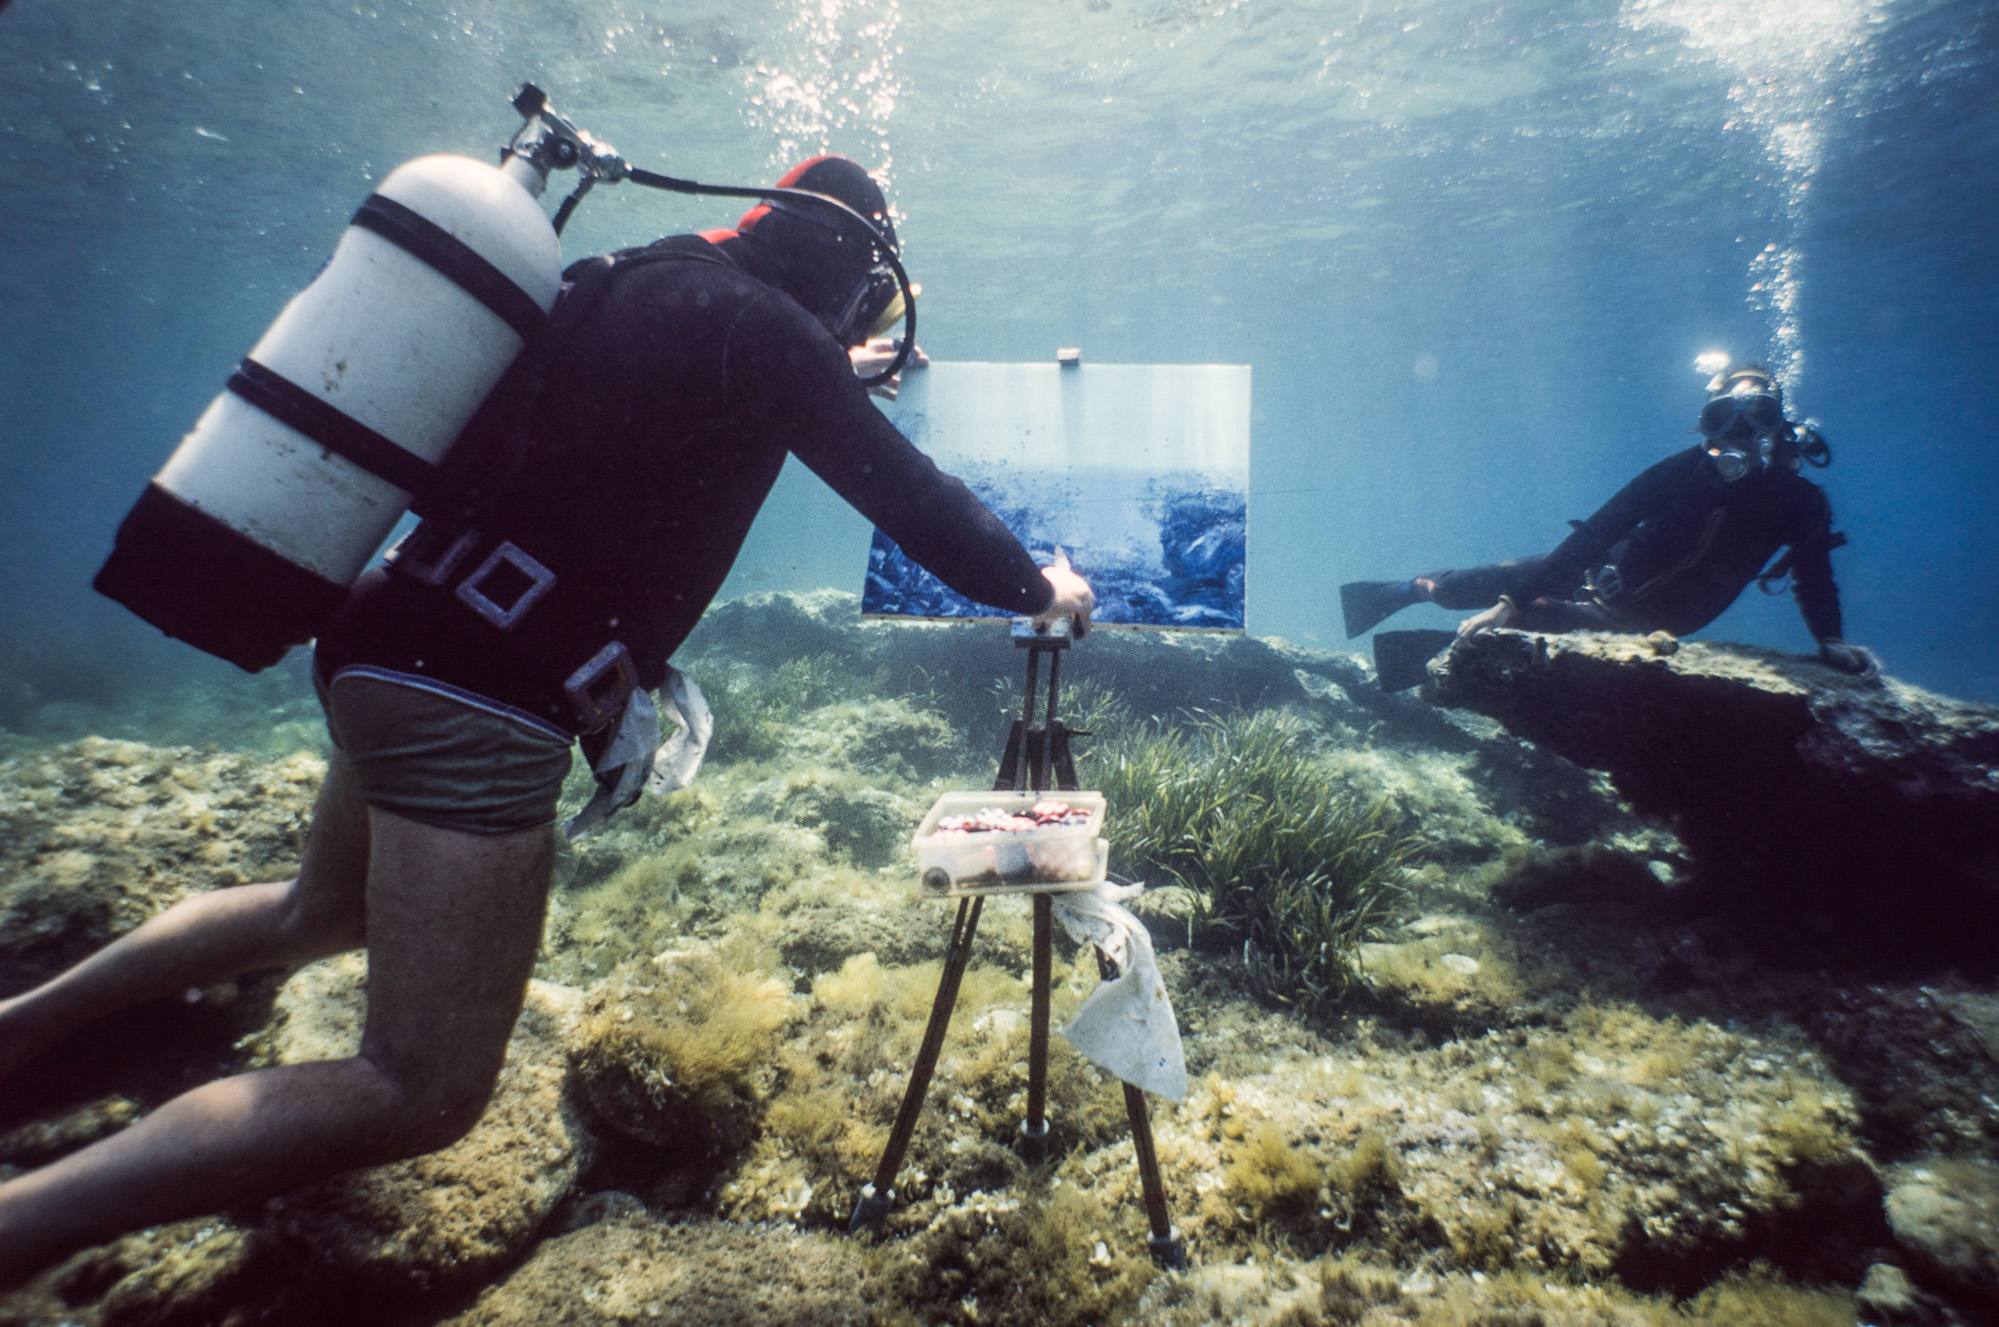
1138	472
1172	557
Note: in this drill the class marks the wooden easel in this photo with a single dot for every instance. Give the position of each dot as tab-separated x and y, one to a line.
1036	754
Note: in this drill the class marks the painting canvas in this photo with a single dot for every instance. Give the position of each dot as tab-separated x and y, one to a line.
1139	472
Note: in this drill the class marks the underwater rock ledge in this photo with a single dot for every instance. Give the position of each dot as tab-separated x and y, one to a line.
1873	804
952	666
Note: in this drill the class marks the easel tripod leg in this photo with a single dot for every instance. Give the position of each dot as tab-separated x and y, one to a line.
1168	1249
872	1209
1033	1142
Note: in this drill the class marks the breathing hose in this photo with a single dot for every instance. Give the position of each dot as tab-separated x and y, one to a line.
550	141
654	180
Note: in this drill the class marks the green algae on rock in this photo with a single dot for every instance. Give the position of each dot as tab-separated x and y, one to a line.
841	1080
676	1052
98	835
636	1269
1449	972
456	1216
1044	1252
1614	1143
188	1272
1354	1292
1945	1211
41	1141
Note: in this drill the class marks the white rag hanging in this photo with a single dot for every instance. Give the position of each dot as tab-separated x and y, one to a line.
678	758
1126	1027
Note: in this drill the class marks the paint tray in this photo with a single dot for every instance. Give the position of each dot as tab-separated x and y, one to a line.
1045	860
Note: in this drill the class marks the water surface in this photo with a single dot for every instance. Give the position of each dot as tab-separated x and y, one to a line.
1470	249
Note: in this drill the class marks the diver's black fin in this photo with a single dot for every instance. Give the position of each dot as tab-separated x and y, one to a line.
1402	658
1365	603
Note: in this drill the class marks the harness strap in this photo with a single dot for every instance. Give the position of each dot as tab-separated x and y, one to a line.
490	453
461	264
1771	579
331	427
1708	532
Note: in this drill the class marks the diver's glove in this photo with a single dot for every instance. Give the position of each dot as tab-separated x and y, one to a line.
621	756
1502	614
1855	659
876	354
1074	599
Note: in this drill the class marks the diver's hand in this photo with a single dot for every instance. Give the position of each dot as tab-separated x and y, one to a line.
1501	614
1074	599
1855	659
874	356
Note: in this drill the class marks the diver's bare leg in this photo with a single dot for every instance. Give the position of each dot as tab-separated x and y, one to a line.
213	936
454	923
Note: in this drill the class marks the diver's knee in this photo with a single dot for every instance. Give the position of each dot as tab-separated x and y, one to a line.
317	922
417	1127
434	1126
435	1111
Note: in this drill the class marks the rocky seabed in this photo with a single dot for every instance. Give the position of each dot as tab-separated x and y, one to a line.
1585	1073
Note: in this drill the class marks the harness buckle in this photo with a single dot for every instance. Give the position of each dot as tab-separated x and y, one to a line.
507	584
597	691
420	558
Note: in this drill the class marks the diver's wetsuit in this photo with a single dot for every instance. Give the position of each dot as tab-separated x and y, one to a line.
665	422
1684	543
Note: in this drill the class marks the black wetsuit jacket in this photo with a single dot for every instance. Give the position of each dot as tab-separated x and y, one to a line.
664	424
1686	542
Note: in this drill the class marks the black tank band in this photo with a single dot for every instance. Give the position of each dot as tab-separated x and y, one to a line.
431	243
212	586
294	406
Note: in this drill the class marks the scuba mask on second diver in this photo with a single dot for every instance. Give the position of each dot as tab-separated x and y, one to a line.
1788	447
1752	412
1739	412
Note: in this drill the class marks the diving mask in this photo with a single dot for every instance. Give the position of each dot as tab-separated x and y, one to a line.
866	301
1742	413
893	313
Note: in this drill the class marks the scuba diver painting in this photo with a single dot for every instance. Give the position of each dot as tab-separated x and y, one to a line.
566	551
374	436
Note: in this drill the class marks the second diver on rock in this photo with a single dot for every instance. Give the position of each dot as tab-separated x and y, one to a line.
1673	548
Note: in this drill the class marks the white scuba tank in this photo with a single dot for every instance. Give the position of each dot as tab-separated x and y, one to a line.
250	536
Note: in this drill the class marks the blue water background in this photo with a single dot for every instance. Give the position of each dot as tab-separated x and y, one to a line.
1471	250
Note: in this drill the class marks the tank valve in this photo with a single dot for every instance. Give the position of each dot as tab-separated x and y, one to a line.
551	141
